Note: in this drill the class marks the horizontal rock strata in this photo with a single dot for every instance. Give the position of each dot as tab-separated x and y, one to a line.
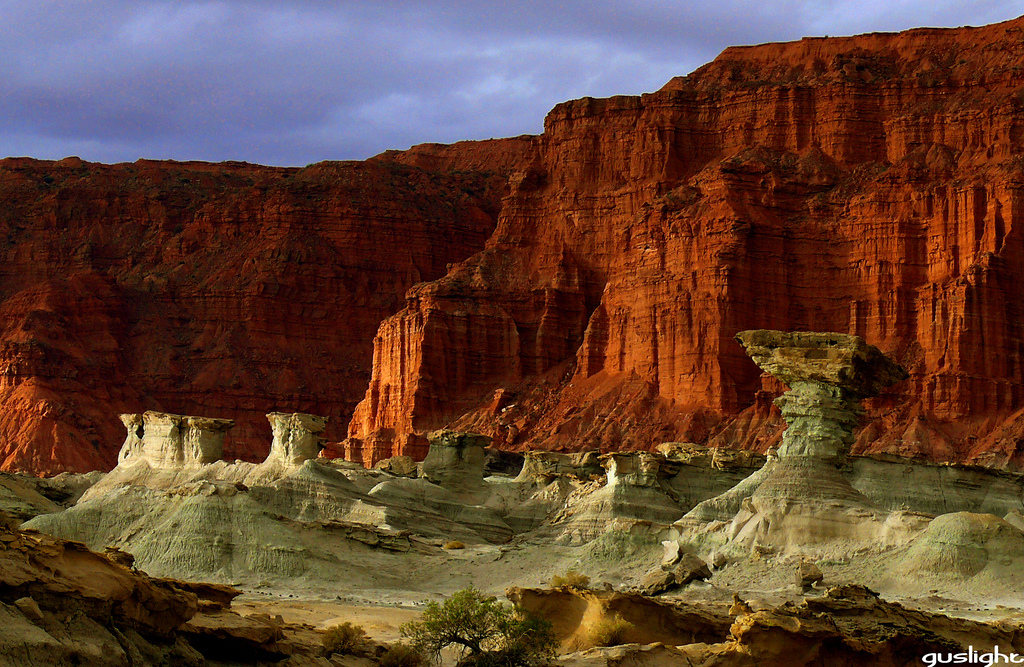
868	185
227	289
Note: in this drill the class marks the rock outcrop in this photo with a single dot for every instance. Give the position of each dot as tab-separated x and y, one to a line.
867	184
456	460
61	604
297	437
849	626
173	441
574	613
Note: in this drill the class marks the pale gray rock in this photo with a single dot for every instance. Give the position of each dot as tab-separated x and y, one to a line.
635	491
801	497
932	488
66	488
456	460
1015	519
964	545
20	499
297	437
544	467
671	555
835	359
166	440
419	505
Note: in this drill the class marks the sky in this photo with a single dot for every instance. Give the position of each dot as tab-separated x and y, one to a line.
292	82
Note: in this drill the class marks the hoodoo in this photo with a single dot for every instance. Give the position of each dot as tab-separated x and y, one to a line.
801	496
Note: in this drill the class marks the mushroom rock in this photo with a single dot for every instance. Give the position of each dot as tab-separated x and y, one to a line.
172	441
801	496
828	374
297	437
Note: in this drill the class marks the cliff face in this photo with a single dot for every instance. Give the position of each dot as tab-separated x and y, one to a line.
872	185
228	290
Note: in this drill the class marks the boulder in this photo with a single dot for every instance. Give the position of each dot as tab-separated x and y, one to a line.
808	574
686	569
400	466
690	568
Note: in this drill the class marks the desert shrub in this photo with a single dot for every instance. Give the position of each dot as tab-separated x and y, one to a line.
453	544
402	655
571	579
486	632
609	631
346	638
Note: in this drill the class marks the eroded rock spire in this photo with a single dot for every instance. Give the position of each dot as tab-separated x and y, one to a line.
828	374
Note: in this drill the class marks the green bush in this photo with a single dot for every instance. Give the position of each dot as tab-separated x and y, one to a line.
486	632
402	655
346	638
609	631
571	579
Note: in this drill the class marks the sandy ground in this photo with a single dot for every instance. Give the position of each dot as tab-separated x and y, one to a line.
381	622
763	583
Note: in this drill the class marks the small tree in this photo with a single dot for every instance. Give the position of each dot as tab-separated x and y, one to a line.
485	631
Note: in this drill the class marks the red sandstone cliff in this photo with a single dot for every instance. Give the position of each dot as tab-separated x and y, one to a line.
871	185
226	290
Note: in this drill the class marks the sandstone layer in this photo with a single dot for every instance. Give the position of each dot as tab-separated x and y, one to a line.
867	185
228	289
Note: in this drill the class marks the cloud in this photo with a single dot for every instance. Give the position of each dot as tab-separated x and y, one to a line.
293	82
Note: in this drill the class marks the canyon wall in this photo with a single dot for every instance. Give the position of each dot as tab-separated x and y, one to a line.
230	289
872	185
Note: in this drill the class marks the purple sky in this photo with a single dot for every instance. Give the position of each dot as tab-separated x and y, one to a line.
290	82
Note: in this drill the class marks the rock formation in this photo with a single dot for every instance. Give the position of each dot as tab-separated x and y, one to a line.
297	437
227	289
848	626
455	460
573	614
867	184
61	604
800	496
173	441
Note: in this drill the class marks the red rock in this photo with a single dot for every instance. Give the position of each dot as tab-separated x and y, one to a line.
868	185
228	290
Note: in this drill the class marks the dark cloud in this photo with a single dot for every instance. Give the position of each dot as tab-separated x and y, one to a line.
293	82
